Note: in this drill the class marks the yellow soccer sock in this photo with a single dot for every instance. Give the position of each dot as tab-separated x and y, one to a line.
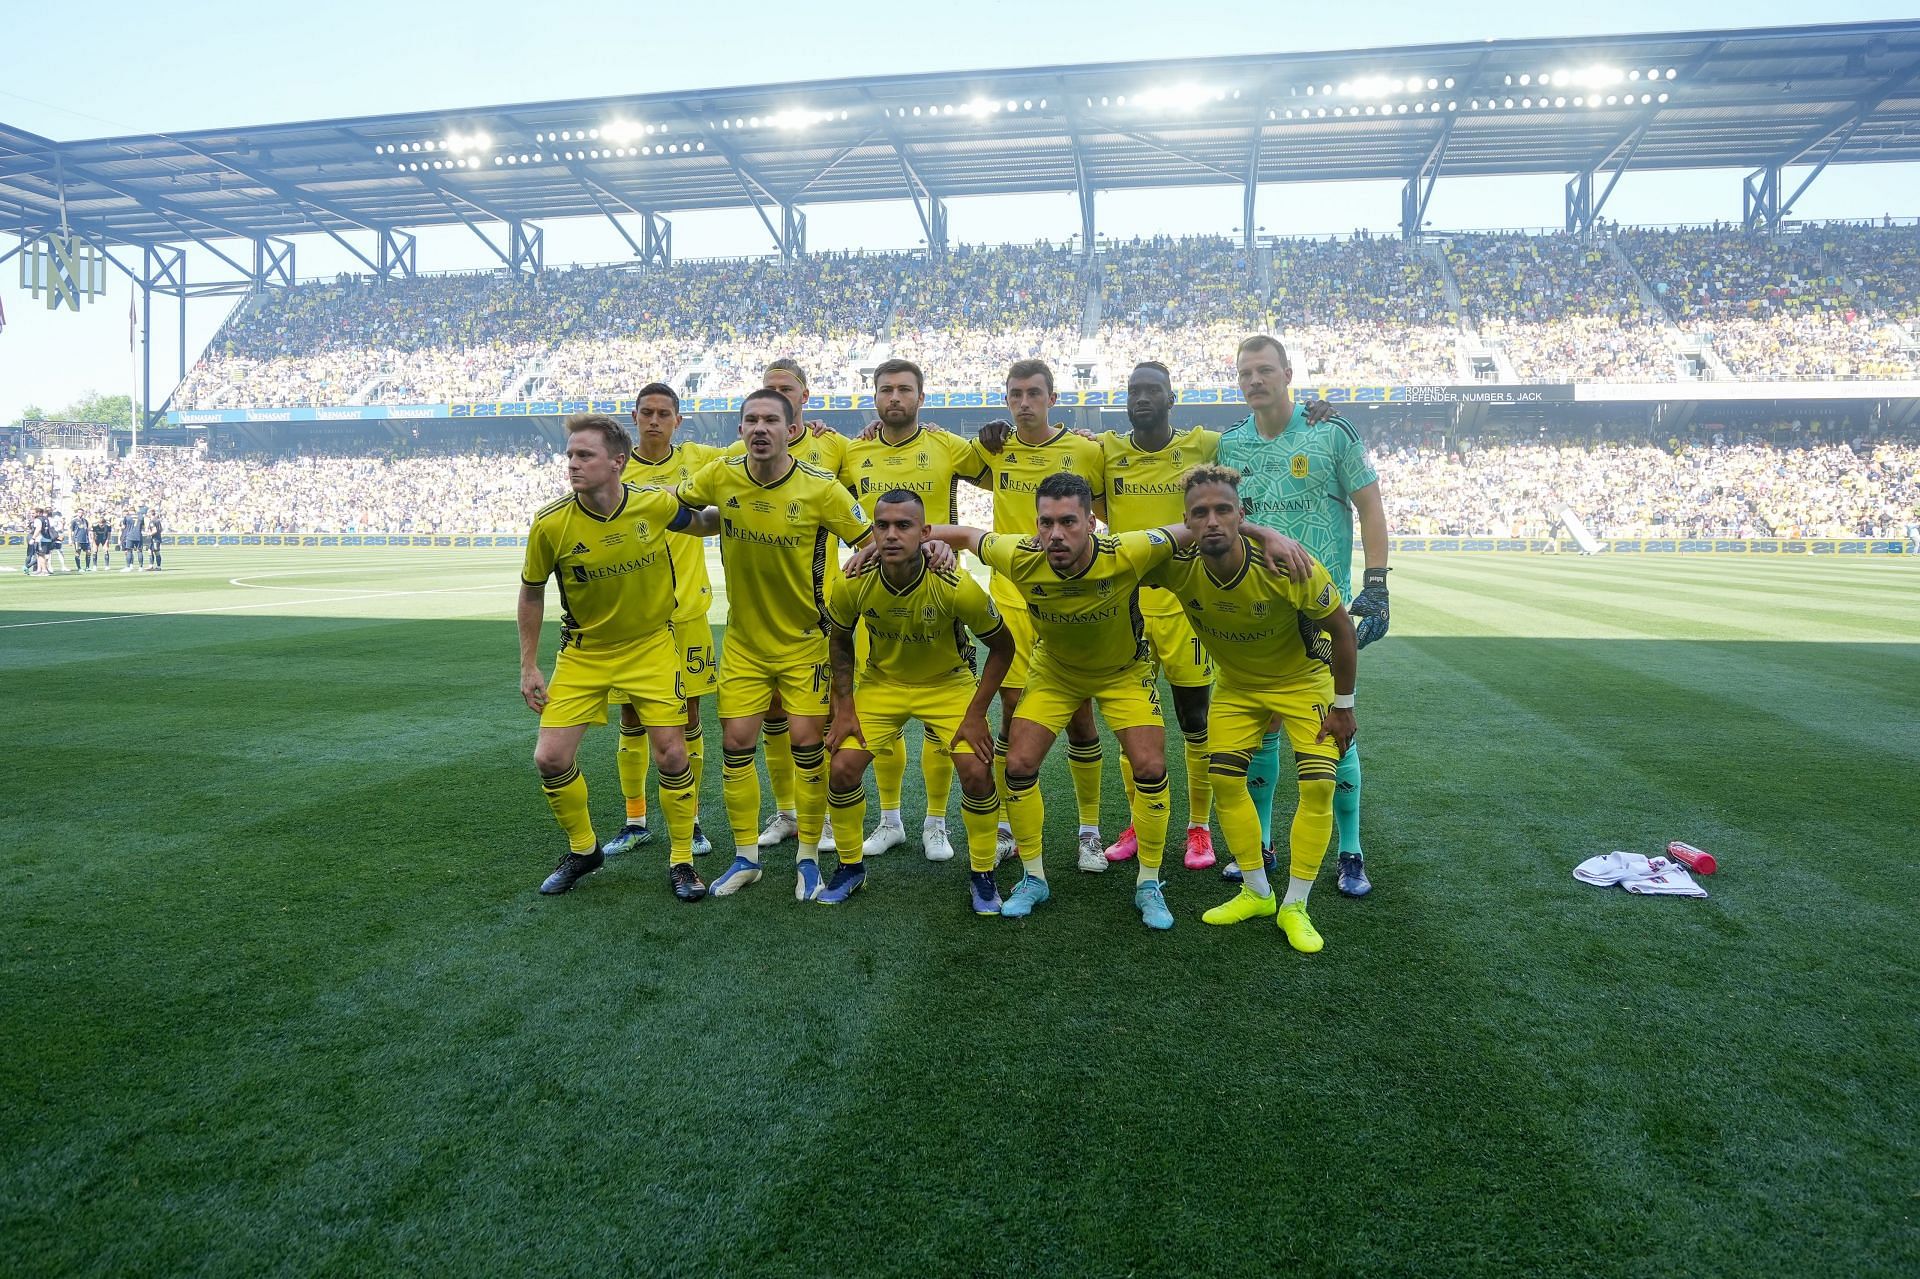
697	762
780	763
677	801
1239	819
981	816
889	775
1313	819
810	790
849	809
1126	778
1150	822
567	797
1083	761
740	786
632	759
1199	780
936	770
1028	813
1000	777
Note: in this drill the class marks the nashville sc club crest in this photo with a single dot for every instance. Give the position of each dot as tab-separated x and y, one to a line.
1298	466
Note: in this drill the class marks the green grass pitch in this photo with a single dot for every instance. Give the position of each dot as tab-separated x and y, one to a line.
279	996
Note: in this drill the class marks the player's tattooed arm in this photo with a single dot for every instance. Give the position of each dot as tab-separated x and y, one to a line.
1318	411
844	716
994	435
974	730
960	537
1338	722
939	557
529	615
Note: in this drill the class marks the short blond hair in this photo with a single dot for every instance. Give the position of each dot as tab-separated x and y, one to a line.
619	444
1212	473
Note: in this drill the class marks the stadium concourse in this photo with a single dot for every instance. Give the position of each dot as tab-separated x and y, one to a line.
1833	302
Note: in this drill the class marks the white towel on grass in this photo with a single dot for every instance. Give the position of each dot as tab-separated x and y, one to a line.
1616	867
1673	881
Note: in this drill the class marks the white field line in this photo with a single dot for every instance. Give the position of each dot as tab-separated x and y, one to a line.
238	608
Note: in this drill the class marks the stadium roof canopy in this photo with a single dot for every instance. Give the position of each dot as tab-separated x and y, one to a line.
1589	108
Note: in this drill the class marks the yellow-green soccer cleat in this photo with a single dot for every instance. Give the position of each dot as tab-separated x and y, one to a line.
1239	908
1301	934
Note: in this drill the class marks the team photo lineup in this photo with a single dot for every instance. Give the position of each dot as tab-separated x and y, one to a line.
1253	628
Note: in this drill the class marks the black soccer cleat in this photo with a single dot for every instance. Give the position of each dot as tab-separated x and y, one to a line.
570	869
1231	870
686	882
1353	875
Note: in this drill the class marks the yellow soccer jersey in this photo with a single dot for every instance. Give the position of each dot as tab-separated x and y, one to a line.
1258	625
775	544
917	634
1015	472
615	578
1090	621
1148	489
930	463
825	451
690	576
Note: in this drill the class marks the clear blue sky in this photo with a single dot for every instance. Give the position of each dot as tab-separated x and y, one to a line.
145	68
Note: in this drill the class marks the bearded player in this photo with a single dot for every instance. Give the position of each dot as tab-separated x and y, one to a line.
921	623
1285	650
603	545
1309	480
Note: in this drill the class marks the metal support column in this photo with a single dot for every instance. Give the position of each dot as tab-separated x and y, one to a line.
656	241
793	232
1760	199
526	248
273	263
397	255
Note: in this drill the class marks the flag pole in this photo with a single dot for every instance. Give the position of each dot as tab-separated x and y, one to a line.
133	351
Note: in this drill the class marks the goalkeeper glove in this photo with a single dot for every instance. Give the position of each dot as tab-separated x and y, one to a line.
1369	629
1369	607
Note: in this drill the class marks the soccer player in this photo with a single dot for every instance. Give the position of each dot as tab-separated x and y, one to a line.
1308	480
1285	650
819	446
603	545
1036	450
82	542
776	517
1144	472
1082	596
662	461
154	532
130	539
102	542
903	454
919	665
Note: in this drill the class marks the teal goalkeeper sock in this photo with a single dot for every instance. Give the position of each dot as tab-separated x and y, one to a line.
1346	800
1263	771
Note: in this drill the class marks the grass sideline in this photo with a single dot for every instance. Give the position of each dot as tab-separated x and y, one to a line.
280	996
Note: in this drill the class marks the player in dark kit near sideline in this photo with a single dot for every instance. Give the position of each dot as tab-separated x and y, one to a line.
605	546
102	542
82	542
130	537
154	531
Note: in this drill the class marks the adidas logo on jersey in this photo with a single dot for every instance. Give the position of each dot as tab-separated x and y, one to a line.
579	548
733	502
867	465
873	612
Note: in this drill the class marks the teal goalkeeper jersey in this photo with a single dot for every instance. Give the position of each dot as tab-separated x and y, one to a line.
1302	483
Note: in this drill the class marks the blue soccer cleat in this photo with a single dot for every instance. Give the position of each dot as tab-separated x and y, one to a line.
984	892
1231	871
1151	902
1028	893
701	844
1353	875
744	871
807	884
847	880
631	836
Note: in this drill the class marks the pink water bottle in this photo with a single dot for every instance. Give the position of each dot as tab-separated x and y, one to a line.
1694	859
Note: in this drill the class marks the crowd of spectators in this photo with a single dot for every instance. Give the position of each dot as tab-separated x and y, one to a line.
964	318
1364	309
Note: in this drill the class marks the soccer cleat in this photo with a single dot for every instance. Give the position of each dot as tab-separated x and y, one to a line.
701	844
1231	871
886	835
1242	906
1353	875
632	835
984	892
1151	901
686	882
807	883
783	827
847	880
571	868
1199	848
744	871
934	842
1028	893
1004	849
1301	934
828	844
1125	847
1093	859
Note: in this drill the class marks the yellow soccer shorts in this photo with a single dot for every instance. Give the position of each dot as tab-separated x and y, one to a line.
1237	718
1126	698
699	663
885	706
644	672
748	680
1020	630
1185	663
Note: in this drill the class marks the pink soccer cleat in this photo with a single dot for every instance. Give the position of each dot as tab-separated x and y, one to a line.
1123	849
1199	848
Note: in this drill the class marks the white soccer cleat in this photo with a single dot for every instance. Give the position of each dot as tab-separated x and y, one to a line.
1004	849
828	844
934	842
886	835
782	828
1093	857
